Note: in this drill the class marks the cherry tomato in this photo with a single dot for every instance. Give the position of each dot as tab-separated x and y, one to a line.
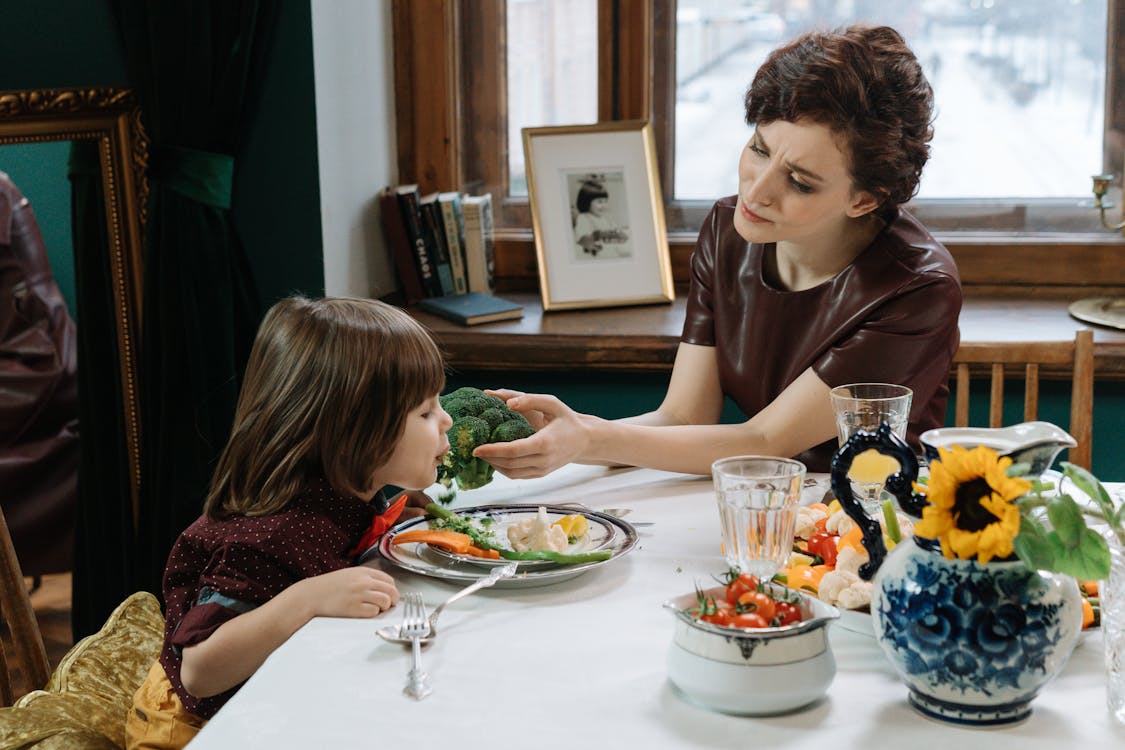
739	586
759	603
716	613
748	620
787	613
823	545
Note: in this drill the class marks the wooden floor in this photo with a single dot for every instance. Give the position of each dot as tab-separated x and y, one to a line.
52	608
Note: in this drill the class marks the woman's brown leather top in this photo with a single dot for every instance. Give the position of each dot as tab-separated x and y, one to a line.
889	317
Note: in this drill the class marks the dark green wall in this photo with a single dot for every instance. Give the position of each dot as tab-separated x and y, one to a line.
277	184
39	171
56	43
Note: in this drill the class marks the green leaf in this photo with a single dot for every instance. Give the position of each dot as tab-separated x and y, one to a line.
1066	520
1089	484
1032	546
1087	560
1018	470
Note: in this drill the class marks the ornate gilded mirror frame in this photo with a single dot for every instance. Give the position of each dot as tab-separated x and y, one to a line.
110	117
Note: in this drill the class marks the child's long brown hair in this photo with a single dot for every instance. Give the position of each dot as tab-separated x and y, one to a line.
327	389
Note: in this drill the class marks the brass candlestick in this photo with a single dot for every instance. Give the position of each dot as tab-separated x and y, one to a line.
1101	187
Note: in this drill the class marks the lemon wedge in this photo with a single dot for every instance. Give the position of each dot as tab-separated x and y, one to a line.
575	526
800	558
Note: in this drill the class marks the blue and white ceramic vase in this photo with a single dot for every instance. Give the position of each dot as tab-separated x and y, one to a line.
973	642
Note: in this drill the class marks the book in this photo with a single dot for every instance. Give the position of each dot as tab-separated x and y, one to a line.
433	231
472	308
402	252
454	224
480	264
408	199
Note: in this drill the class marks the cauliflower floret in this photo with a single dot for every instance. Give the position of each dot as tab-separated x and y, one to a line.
849	559
537	533
905	526
845	589
839	523
806	521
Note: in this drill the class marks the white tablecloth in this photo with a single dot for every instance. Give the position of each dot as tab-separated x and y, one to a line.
581	663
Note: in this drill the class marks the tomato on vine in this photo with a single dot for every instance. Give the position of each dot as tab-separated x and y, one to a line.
739	583
759	603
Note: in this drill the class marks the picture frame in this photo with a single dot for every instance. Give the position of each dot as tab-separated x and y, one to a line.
598	215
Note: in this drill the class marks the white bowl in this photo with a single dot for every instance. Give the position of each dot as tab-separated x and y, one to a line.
752	672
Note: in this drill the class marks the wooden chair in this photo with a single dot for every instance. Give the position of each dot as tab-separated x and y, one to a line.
27	641
1074	358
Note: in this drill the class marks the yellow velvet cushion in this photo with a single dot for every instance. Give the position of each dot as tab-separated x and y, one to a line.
87	698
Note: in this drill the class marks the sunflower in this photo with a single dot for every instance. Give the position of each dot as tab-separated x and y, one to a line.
972	508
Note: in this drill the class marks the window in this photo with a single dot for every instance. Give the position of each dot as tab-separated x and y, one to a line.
1019	89
1043	62
552	71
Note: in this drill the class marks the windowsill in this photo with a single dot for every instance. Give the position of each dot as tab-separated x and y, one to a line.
645	338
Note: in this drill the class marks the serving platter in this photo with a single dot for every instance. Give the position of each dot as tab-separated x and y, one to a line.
421	558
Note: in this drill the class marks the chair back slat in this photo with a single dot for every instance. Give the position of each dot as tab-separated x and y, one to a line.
1082	399
996	397
1031	392
1074	358
961	413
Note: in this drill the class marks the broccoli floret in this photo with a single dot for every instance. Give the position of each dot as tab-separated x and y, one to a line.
477	419
515	429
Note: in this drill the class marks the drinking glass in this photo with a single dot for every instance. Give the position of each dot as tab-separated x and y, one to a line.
864	406
758	498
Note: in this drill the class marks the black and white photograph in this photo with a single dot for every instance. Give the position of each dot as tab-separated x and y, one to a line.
598	204
597	214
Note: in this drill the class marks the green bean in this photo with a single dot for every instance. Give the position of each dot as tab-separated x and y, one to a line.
557	557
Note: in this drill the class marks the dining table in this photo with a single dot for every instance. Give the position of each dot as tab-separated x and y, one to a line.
581	662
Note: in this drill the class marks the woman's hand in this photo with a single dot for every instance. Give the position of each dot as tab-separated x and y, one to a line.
561	437
350	592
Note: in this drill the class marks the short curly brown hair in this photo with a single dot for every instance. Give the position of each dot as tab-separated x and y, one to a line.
862	82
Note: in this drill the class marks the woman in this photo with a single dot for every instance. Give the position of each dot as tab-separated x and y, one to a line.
810	277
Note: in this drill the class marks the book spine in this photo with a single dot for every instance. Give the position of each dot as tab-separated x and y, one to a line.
412	219
454	233
401	250
486	231
479	260
434	231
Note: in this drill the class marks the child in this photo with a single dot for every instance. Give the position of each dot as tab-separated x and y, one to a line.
594	229
340	398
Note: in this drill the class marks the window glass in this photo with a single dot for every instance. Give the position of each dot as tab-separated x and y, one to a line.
1019	86
552	71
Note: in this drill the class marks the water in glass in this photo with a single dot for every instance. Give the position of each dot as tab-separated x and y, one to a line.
757	500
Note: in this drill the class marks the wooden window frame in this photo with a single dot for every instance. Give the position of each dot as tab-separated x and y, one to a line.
448	75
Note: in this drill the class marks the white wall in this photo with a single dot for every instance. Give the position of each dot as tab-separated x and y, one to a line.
354	74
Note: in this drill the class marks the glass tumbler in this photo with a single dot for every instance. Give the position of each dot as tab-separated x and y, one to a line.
1112	592
758	498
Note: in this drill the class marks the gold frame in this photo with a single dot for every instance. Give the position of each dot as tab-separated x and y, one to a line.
111	117
662	290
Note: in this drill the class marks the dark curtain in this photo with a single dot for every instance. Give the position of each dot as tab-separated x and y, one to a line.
194	67
104	545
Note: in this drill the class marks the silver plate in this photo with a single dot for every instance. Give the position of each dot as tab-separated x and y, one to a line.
420	558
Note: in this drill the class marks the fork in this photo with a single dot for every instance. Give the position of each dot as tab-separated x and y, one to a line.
415	626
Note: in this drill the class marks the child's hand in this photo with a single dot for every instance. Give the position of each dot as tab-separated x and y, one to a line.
416	502
351	592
